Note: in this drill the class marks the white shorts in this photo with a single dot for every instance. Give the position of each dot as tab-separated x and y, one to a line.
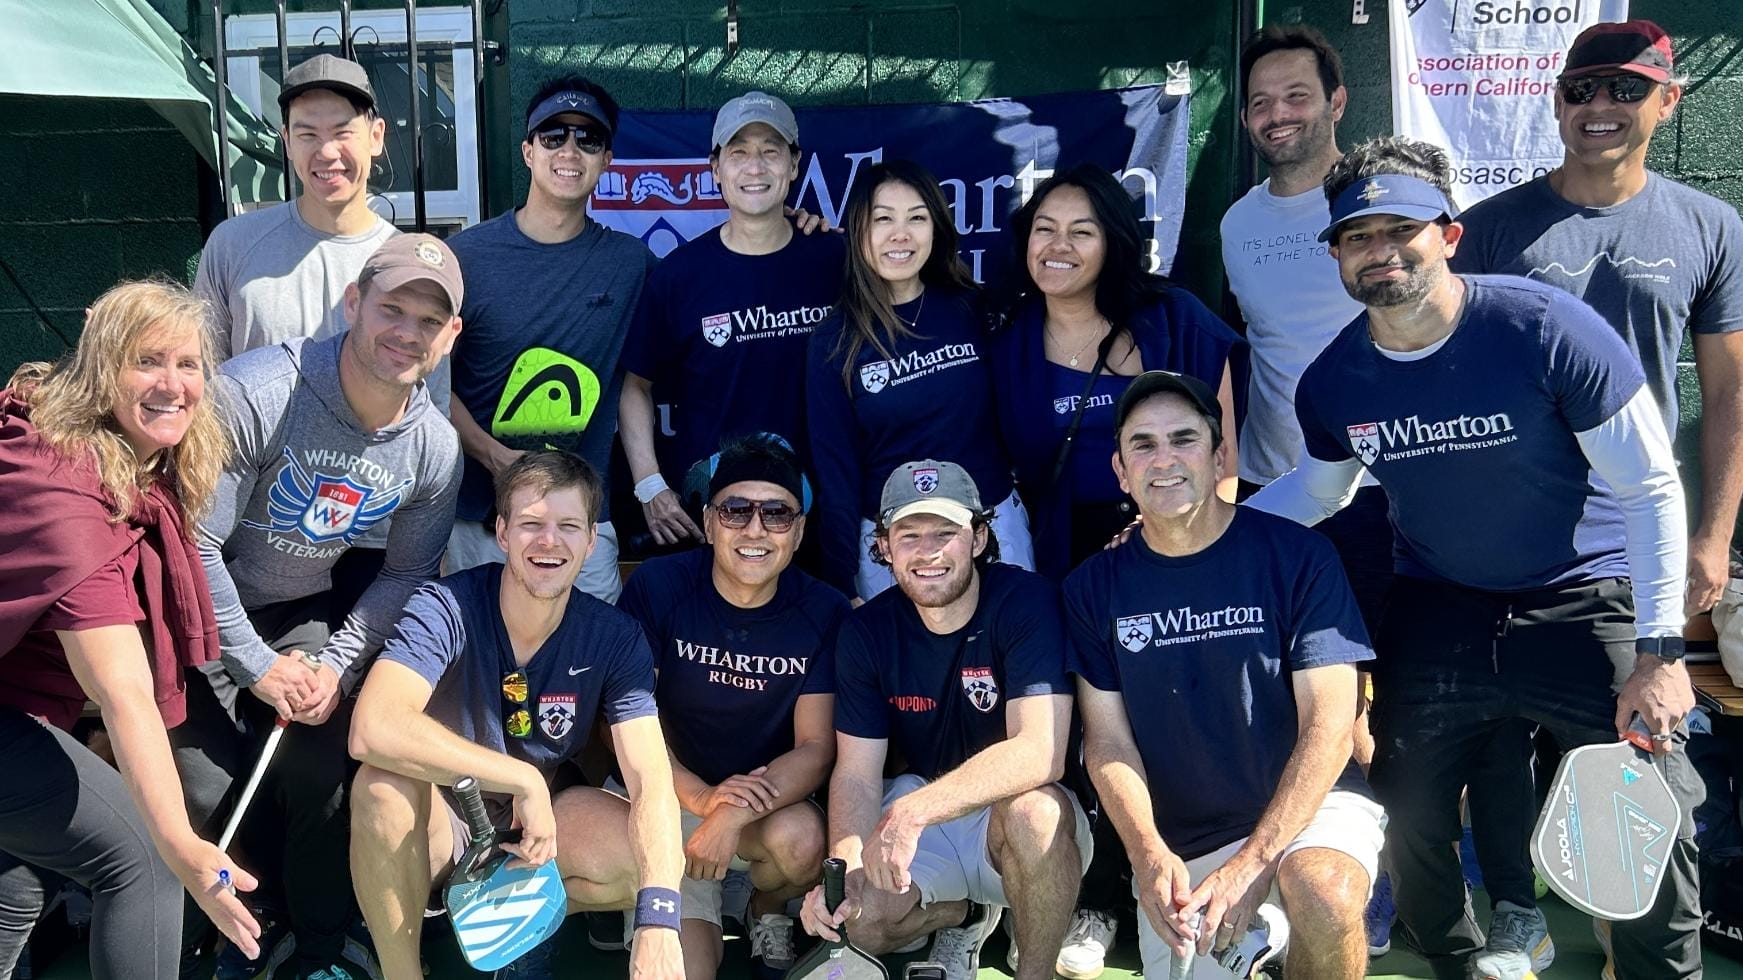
951	862
1010	525
470	545
1346	822
701	899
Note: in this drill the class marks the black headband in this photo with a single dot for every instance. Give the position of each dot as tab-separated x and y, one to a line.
762	467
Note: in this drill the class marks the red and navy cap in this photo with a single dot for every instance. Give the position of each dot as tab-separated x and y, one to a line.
1637	46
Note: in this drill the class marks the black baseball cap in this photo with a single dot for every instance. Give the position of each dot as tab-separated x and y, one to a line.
329	72
1168	382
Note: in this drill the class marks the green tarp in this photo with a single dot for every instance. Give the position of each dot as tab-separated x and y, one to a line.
122	49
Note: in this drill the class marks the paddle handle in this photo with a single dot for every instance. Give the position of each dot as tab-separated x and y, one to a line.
834	883
252	785
472	808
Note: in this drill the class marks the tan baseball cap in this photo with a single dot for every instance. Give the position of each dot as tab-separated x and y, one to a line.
408	258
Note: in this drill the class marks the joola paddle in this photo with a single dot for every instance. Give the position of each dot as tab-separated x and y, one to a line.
842	960
498	912
1605	836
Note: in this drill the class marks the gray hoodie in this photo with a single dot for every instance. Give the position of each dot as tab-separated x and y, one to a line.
306	482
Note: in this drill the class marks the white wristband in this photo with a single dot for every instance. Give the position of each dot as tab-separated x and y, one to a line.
646	490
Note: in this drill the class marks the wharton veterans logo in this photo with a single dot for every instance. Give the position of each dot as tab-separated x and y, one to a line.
556	715
1365	441
323	507
981	688
1134	631
1400	439
717	329
875	376
926	479
547	394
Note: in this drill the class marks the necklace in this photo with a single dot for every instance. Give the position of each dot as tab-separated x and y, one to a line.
917	310
1072	360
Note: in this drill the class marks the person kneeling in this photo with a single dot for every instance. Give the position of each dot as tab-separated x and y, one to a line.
498	672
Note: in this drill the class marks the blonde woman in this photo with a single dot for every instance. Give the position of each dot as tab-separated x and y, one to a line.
105	460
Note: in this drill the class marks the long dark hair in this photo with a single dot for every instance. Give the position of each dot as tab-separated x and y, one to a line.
1124	286
867	315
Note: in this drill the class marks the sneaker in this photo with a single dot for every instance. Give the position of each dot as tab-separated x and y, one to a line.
330	971
605	930
1519	946
958	949
1265	940
1379	917
1086	945
771	945
534	964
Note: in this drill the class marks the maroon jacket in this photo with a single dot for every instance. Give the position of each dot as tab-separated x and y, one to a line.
55	538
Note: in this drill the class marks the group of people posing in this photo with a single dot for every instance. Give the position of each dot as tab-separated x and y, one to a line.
353	483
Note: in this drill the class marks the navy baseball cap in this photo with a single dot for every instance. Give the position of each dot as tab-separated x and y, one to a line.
567	101
1398	194
1159	382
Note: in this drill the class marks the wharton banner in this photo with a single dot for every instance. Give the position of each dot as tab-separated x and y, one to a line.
989	155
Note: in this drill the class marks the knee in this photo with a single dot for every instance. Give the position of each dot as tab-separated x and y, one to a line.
385	805
1325	893
793	838
1032	823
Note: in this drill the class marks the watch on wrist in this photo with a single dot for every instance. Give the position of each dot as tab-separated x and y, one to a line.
1669	649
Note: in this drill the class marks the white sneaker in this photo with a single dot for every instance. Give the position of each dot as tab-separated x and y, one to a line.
771	941
1519	946
1266	937
1086	945
958	949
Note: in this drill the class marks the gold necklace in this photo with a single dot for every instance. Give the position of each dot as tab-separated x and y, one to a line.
1072	360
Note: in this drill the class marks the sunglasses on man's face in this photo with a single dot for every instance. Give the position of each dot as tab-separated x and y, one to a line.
516	719
736	512
1623	88
590	139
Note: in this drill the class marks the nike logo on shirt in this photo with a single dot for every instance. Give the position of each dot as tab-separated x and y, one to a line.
578	670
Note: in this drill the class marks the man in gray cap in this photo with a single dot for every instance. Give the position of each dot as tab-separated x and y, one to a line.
331	437
549	300
720	341
960	673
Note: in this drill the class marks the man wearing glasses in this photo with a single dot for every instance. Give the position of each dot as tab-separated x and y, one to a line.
743	643
957	675
499	672
1656	258
550	296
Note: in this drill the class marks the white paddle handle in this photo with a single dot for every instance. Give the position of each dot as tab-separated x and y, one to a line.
253	784
1182	967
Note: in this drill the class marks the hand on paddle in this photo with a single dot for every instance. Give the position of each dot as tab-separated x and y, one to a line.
1228	898
1661	694
538	829
322	700
814	913
287	685
1163	885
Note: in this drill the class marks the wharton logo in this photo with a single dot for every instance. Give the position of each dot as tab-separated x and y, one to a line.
1406	438
1134	631
878	375
717	329
1187	625
875	376
981	688
762	323
926	479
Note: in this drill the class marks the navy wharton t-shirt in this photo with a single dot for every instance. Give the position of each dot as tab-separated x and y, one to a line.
730	677
1474	443
452	635
1204	648
939	699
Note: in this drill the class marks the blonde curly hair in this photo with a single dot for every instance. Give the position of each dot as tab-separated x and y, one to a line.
72	402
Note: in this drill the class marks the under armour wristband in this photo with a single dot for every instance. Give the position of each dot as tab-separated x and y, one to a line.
647	489
657	907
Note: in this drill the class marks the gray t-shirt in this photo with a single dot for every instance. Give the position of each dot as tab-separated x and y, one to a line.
306	482
537	361
1669	257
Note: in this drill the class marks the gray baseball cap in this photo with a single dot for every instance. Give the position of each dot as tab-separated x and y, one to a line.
408	258
329	72
754	107
928	486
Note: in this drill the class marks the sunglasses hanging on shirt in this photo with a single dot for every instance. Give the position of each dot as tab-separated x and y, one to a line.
516	719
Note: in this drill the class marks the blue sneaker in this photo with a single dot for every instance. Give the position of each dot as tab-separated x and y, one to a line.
1379	917
535	964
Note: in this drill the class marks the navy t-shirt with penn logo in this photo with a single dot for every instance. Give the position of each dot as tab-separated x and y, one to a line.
1475	444
929	397
940	699
1204	649
730	678
722	337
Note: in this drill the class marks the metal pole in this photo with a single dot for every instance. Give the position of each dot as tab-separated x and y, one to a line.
478	107
1249	18
222	107
411	43
283	71
346	49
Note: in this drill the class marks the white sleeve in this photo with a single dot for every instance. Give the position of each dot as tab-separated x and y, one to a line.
1311	492
1631	451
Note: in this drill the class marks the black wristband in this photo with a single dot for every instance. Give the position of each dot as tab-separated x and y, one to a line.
1669	649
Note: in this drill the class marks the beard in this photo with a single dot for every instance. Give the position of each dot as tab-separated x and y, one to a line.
1317	132
937	593
1418	281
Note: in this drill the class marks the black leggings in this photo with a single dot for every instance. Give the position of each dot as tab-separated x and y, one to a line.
67	814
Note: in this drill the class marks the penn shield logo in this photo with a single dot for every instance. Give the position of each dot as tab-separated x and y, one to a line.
1365	441
1135	631
1062	405
875	376
926	479
547	394
981	688
717	329
556	715
322	507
